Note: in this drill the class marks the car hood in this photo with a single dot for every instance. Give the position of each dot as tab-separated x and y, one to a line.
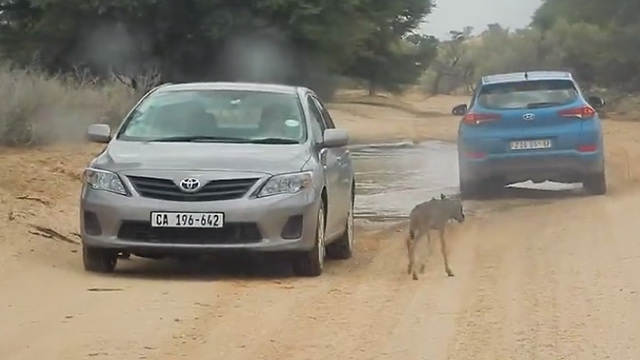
259	158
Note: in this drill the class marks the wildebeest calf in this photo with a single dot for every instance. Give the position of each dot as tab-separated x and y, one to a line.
431	215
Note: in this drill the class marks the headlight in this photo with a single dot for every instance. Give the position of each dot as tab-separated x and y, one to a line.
286	184
104	180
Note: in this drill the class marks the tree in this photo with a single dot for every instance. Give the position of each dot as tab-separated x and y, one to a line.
601	39
453	62
288	41
393	56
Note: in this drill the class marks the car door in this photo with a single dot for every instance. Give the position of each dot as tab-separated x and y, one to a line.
344	164
331	168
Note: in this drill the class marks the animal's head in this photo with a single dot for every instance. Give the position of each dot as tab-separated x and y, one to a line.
455	208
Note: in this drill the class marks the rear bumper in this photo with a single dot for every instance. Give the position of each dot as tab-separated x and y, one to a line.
569	166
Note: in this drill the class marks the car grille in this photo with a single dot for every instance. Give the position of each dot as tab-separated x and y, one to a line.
232	233
216	190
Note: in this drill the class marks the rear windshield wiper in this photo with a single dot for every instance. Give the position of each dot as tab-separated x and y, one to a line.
273	140
197	138
542	104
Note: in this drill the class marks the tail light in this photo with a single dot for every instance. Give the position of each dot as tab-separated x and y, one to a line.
479	118
475	155
588	148
583	112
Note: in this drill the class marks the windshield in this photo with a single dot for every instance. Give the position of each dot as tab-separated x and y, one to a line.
216	116
527	94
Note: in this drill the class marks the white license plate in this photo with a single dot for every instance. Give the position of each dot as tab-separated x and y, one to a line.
187	220
530	144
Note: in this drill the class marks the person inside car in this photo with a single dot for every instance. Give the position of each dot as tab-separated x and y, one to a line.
272	121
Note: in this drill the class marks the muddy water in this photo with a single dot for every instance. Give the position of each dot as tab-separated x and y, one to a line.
393	178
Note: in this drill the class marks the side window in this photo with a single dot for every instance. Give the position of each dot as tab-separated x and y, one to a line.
328	121
316	120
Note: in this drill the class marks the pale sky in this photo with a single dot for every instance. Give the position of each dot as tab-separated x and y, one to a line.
456	14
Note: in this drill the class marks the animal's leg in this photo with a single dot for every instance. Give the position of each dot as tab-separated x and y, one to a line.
412	240
423	261
443	248
410	243
412	256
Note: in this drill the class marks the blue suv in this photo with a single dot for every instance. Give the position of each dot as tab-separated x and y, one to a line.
534	126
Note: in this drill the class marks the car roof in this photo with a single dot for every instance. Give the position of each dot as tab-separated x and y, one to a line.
246	86
529	75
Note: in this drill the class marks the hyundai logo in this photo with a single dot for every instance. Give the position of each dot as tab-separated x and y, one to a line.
190	184
528	116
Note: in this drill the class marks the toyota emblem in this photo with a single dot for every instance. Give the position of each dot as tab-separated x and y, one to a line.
528	116
190	184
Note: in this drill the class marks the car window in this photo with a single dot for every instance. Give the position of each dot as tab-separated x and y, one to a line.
238	114
528	94
328	121
316	119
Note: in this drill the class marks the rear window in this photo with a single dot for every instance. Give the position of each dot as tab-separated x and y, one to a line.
529	94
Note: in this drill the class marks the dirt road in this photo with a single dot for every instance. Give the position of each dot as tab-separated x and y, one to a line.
538	276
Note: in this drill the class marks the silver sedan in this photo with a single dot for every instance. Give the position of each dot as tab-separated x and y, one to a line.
208	167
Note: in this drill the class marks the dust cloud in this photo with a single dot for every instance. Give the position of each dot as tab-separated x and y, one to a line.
115	46
61	111
258	57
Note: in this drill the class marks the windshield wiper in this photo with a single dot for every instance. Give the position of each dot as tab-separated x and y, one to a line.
272	140
535	105
197	138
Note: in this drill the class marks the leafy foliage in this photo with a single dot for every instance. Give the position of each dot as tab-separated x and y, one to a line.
599	41
289	41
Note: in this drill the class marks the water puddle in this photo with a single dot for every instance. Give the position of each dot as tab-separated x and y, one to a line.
393	178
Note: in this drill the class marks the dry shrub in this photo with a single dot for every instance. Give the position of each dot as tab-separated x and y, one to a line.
36	109
625	108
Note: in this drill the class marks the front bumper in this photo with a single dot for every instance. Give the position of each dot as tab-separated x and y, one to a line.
277	223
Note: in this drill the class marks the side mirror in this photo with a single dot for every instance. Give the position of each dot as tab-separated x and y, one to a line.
335	138
99	133
596	101
459	110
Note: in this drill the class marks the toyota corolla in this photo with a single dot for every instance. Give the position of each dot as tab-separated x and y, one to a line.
208	167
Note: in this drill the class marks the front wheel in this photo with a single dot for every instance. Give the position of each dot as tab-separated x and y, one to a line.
99	260
342	248
596	184
311	263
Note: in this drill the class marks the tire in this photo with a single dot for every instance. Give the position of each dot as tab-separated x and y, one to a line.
342	248
311	263
492	186
468	189
596	184
99	260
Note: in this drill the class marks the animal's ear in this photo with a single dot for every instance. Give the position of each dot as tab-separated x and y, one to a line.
442	197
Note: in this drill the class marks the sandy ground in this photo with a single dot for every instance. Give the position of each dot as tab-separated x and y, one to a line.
552	278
